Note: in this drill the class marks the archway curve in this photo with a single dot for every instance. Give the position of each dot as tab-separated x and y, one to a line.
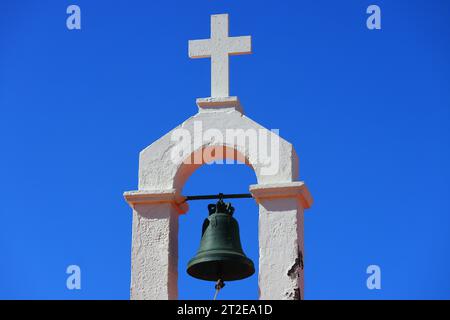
159	171
215	155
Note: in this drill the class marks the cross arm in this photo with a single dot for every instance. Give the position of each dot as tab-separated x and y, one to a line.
240	45
199	48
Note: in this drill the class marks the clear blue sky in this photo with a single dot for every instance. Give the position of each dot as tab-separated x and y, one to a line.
368	113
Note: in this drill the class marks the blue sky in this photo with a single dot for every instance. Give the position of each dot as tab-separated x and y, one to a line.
367	111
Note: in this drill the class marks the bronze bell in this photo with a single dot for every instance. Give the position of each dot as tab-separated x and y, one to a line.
220	255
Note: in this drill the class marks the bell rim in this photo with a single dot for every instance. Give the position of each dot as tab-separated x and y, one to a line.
196	261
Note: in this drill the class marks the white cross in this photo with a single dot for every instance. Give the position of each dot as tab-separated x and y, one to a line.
218	48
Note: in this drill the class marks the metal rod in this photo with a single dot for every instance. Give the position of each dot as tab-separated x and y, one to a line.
219	285
219	196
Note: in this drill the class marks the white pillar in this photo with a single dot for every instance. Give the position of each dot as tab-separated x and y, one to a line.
154	265
281	249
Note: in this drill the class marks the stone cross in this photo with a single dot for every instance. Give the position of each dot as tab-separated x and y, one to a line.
219	47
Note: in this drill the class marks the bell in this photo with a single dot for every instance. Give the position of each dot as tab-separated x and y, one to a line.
220	256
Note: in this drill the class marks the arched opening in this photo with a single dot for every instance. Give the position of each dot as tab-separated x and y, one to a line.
213	179
220	155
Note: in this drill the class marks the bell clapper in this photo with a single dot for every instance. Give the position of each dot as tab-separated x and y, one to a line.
219	285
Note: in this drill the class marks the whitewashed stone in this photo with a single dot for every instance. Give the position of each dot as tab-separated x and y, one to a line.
158	202
218	48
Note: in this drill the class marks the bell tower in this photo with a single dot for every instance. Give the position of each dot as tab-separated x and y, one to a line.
166	164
